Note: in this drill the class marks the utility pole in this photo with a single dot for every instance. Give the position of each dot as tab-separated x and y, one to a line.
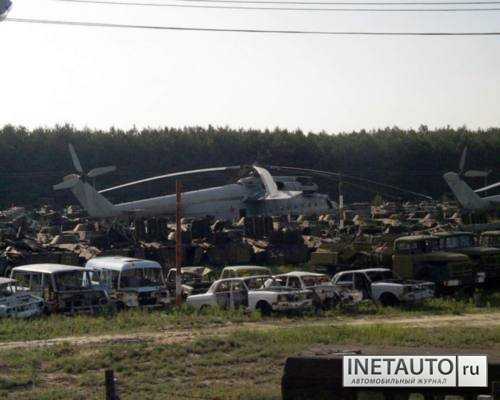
178	244
341	204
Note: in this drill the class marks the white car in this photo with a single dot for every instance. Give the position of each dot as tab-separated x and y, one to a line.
326	295
18	304
381	284
253	293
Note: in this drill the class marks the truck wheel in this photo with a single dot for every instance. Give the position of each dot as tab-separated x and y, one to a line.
388	299
264	308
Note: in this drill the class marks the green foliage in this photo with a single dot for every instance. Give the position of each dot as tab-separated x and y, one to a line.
137	321
377	200
247	364
32	161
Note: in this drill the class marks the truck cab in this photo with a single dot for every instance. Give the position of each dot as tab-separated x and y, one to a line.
419	257
485	258
194	280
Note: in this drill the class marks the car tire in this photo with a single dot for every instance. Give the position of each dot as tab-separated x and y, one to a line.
264	308
388	299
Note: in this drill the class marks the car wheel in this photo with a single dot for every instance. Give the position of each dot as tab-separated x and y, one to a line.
264	308
388	299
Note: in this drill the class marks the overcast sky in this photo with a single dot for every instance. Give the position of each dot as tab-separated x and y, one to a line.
100	77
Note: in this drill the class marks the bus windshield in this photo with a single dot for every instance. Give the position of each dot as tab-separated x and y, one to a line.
141	277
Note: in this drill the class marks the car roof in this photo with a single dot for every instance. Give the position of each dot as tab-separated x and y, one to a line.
241	267
120	263
301	273
5	281
415	238
453	233
366	270
47	268
242	278
492	233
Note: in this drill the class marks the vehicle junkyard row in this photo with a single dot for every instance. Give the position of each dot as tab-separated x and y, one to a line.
389	254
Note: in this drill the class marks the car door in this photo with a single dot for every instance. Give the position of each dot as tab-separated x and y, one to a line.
362	284
36	284
223	294
239	294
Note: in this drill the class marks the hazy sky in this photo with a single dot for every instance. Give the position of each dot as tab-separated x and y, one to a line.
100	77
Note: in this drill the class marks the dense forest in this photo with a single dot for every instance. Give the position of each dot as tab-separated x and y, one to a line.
32	161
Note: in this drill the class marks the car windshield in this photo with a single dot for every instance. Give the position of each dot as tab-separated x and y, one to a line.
417	246
313	280
457	242
376	276
141	277
429	245
259	282
70	280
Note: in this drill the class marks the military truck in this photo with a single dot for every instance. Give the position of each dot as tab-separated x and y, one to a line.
419	257
346	254
486	258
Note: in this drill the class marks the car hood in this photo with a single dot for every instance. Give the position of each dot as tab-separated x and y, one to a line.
144	289
477	251
445	256
403	282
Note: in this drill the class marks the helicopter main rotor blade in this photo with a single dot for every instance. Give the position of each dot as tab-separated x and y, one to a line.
101	171
472	173
267	181
74	157
346	176
484	189
172	175
4	8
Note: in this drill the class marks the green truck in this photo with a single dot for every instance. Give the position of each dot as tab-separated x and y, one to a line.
486	258
419	257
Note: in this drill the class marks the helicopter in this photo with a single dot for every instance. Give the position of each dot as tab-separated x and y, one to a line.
257	193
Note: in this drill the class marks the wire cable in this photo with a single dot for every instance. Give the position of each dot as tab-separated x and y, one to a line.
242	30
394	3
234	7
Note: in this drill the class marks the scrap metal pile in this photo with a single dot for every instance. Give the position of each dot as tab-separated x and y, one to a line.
390	254
69	237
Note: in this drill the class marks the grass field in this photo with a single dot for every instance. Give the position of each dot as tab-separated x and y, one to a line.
143	321
244	365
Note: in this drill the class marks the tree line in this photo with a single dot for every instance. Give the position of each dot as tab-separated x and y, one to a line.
32	161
